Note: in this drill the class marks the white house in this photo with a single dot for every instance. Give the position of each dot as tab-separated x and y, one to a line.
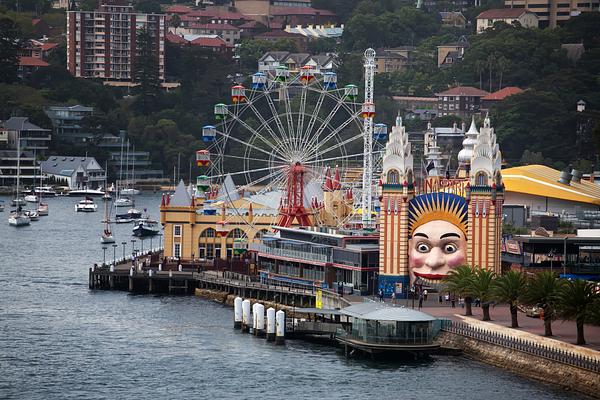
79	172
523	16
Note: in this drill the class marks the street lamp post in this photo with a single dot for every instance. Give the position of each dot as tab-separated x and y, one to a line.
133	246
551	256
142	241
104	257
124	243
115	253
159	240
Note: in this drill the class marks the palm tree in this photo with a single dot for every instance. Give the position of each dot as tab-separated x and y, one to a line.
575	300
502	64
542	290
508	288
481	288
459	281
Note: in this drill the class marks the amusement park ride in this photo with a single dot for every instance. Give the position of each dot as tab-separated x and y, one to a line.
279	139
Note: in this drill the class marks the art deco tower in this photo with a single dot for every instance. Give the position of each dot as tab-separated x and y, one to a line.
485	194
397	189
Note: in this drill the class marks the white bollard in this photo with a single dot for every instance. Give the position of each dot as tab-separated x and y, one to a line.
112	268
245	315
254	314
170	274
237	313
279	327
160	267
270	324
131	271
259	328
150	272
180	268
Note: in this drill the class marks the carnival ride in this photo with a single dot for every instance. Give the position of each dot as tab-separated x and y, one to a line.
280	138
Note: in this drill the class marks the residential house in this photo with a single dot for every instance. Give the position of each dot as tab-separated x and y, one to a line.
38	49
212	15
491	99
276	35
551	13
29	66
211	42
31	136
27	165
451	53
317	31
294	61
523	16
229	33
78	172
294	16
321	63
66	121
393	60
250	29
423	108
454	19
462	101
140	165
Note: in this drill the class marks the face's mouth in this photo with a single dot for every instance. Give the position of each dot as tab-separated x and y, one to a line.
431	277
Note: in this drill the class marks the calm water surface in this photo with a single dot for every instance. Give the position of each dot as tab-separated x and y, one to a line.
60	340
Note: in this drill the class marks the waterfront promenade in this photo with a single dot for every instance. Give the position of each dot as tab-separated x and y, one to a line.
529	328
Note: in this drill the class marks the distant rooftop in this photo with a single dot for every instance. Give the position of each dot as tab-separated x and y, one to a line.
502	93
501	13
383	312
464	91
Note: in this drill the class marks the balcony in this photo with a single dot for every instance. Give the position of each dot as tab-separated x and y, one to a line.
288	253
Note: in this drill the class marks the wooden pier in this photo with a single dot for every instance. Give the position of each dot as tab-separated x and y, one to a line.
151	280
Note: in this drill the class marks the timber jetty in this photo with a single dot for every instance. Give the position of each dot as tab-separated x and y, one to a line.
145	275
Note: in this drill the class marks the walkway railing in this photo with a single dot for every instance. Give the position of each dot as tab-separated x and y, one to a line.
301	255
523	345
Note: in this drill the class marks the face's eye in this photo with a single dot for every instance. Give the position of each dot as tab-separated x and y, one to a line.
423	248
450	248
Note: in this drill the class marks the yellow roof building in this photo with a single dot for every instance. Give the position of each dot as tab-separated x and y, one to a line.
539	187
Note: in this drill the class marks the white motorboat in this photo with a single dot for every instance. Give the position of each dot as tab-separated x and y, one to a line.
32	214
44	191
18	202
31	198
86	205
17	218
144	228
42	209
86	192
129	192
124	202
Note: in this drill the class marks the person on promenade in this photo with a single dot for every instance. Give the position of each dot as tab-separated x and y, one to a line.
425	294
381	295
461	302
440	299
453	301
394	298
420	300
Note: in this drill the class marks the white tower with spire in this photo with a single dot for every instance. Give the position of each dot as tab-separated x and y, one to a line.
398	158
465	155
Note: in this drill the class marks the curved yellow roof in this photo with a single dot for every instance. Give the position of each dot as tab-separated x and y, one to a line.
539	180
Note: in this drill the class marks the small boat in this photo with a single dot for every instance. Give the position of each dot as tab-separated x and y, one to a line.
86	205
124	202
145	228
44	191
31	198
1	205
107	237
129	192
18	202
32	214
17	218
131	214
42	209
86	192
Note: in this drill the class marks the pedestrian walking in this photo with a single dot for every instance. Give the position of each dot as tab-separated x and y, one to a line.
453	301
393	297
381	295
420	300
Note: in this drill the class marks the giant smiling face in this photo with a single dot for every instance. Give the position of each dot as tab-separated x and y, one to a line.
435	248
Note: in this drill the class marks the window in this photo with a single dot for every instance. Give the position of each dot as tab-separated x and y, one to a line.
177	231
481	179
393	177
177	250
208	233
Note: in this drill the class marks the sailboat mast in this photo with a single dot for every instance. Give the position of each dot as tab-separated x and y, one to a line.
18	165
133	167
120	169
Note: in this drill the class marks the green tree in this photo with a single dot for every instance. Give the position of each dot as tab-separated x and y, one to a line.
175	22
542	290
508	288
460	282
575	301
481	288
147	6
11	42
322	45
146	72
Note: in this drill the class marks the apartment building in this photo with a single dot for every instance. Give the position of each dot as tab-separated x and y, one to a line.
554	12
102	43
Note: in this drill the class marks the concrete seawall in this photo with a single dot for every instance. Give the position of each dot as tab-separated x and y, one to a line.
527	365
227	299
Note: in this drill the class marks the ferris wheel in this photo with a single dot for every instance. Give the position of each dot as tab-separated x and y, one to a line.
281	137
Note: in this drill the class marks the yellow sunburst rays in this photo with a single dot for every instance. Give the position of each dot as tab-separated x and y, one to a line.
437	206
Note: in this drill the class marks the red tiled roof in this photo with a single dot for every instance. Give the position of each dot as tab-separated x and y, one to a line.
503	93
217	14
173	38
249	25
209	42
464	91
48	46
218	27
278	33
178	10
498	13
300	11
32	62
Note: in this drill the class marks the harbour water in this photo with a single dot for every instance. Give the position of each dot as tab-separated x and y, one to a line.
60	340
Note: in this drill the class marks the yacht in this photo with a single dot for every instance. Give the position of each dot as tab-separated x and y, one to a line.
86	192
130	216
44	191
146	227
31	198
86	205
17	218
107	235
129	192
42	209
32	214
124	202
18	202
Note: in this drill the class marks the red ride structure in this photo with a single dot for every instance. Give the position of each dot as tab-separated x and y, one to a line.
292	207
